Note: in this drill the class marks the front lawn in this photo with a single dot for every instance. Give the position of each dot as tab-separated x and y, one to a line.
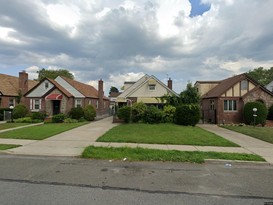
8	146
40	132
261	133
164	134
4	126
142	154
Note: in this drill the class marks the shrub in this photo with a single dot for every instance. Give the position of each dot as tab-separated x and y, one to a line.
153	115
124	113
69	120
19	111
138	110
168	113
270	113
187	114
261	113
89	113
27	120
38	116
58	118
76	113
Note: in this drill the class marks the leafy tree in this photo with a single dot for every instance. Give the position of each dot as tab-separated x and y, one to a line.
263	76
190	95
54	74
113	90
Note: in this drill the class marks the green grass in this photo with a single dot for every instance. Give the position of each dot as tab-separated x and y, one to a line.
8	146
40	132
164	134
4	126
261	133
142	154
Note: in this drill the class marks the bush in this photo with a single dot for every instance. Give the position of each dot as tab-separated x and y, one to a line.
168	113
153	115
58	118
27	120
69	120
270	113
138	110
38	116
124	113
19	111
89	113
261	113
187	114
76	113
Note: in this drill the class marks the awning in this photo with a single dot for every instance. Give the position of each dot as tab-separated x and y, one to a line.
54	97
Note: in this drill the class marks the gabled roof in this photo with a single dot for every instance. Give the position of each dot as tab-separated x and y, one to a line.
59	87
226	84
10	85
146	78
86	90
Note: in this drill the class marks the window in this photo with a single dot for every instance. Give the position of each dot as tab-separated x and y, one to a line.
230	105
46	85
244	85
151	87
36	104
212	107
97	104
78	103
11	102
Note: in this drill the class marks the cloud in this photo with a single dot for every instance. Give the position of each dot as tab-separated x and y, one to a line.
102	39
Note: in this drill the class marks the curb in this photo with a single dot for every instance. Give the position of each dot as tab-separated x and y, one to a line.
236	162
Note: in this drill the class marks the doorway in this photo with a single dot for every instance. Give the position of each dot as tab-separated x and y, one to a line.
56	106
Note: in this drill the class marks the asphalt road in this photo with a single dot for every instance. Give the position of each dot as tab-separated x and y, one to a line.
46	180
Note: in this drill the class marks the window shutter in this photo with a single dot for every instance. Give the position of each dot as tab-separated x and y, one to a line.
30	104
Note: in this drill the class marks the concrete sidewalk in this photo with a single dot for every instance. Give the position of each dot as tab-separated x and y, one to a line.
73	142
69	143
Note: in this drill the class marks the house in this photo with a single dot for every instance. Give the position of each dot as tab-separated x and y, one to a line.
12	89
147	89
61	94
270	86
223	101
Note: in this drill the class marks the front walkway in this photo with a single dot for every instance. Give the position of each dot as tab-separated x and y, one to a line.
73	142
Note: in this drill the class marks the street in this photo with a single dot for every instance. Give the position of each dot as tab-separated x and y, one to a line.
59	180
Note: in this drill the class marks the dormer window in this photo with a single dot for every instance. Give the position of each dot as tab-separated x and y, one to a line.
46	85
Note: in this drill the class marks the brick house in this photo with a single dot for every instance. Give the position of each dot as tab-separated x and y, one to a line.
223	101
12	89
61	94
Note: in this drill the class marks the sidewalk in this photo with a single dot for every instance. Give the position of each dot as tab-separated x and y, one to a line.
73	142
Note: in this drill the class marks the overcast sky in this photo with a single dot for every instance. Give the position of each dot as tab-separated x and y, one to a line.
119	40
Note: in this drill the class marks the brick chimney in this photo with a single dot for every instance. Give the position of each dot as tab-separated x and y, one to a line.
170	84
23	82
100	95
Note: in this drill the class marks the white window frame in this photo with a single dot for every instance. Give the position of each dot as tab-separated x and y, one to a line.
78	102
212	105
152	87
243	85
12	102
34	103
230	106
46	85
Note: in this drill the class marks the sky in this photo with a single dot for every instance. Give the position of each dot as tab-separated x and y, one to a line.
121	40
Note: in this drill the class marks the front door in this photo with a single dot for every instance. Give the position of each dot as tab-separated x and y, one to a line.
56	106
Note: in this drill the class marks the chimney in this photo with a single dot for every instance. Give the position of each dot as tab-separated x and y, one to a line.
100	95
170	84
23	82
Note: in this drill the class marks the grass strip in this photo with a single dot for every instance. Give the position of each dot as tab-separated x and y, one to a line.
4	126
40	132
261	133
164	134
143	154
8	146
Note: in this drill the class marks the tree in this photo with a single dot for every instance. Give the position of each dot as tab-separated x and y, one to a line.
263	76
190	95
54	74
113	90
